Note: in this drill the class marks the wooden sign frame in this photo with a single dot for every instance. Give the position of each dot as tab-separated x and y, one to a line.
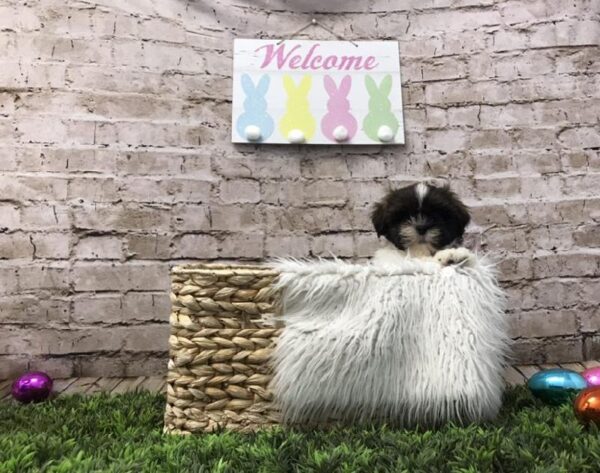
317	92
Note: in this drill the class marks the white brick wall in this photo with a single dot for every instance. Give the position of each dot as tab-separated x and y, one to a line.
115	162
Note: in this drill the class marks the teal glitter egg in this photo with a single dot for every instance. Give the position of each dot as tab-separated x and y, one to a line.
556	386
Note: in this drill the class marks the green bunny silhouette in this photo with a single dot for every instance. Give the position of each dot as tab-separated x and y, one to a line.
380	108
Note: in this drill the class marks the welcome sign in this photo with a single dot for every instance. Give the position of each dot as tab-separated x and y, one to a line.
317	92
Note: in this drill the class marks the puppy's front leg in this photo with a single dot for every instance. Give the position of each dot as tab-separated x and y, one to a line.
458	256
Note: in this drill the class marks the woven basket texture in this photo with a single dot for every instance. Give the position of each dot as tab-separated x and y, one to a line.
218	371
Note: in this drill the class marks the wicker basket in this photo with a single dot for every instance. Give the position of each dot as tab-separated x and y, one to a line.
220	347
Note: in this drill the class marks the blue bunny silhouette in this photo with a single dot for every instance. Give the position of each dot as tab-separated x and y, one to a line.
255	107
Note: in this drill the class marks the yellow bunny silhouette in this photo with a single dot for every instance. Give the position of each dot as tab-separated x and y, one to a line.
297	117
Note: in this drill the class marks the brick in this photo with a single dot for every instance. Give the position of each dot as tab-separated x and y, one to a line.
93	190
190	217
565	265
197	246
15	245
239	191
99	248
283	192
149	246
147	338
590	320
333	244
120	217
88	340
49	130
487	163
580	137
587	236
168	189
361	219
155	363
365	192
9	217
467	116
38	158
112	365
242	245
33	187
8	158
258	166
552	238
52	276
515	268
161	30
541	162
564	350
335	167
581	186
525	65
119	277
511	240
297	246
318	219
33	310
13	366
490	139
18	74
95	308
498	187
324	192
145	307
450	20
365	167
149	163
243	217
50	245
507	40
57	368
546	323
366	245
447	141
9	281
198	167
462	93
443	69
137	133
544	187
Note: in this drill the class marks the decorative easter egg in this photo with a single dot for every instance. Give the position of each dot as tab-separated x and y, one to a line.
340	133
252	133
592	376
385	133
296	136
556	386
32	387
587	405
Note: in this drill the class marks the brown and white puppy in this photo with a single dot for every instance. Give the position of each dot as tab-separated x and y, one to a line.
422	221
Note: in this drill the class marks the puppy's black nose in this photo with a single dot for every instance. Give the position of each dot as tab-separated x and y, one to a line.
422	228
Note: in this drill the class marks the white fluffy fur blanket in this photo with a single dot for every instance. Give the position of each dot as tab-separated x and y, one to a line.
409	343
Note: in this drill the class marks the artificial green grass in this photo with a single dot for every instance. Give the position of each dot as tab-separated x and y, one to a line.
124	433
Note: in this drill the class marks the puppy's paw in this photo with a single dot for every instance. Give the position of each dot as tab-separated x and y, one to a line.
458	256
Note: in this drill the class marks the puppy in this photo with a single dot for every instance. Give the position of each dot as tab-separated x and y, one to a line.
422	221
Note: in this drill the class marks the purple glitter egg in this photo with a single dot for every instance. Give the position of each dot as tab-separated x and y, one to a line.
592	376
32	387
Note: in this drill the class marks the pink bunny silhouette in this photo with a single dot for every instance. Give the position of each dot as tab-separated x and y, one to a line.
338	114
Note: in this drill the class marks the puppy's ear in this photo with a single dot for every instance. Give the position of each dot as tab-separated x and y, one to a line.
463	215
379	219
460	210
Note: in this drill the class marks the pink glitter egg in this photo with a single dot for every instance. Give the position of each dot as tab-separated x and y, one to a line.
32	387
